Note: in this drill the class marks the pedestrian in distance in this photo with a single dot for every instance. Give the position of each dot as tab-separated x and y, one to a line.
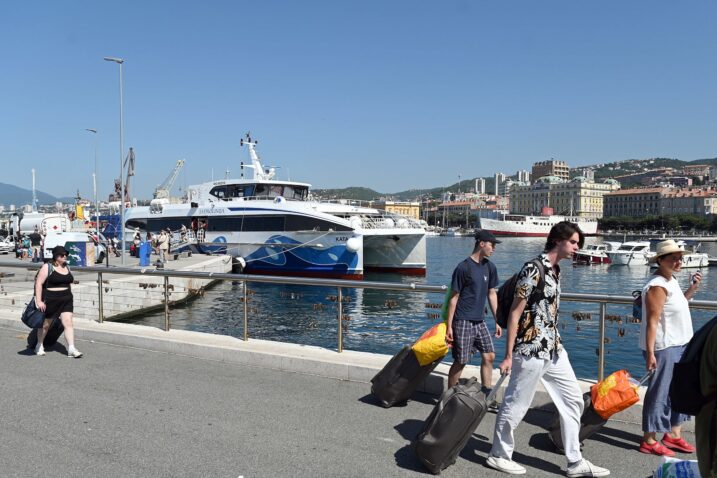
665	330
163	241
473	284
53	296
36	244
534	353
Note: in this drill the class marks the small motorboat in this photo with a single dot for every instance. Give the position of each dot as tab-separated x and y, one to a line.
595	253
631	253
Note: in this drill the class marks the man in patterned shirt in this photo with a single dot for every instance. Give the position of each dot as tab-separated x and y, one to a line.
534	353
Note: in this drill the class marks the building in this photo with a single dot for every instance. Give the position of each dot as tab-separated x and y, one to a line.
480	186
555	168
587	173
713	173
577	197
689	201
410	209
507	185
633	202
701	171
499	179
524	176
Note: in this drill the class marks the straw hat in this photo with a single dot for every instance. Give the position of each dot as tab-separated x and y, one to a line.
666	247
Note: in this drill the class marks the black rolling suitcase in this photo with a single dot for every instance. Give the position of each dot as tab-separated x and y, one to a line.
451	424
53	334
590	421
397	381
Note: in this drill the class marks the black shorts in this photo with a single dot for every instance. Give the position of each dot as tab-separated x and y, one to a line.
57	302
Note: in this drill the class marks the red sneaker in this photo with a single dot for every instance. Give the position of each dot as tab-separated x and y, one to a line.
678	444
655	449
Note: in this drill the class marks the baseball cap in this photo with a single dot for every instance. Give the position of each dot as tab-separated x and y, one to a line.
485	236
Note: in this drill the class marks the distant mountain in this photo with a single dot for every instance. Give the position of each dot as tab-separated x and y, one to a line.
10	194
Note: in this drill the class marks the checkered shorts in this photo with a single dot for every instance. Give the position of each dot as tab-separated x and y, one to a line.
470	337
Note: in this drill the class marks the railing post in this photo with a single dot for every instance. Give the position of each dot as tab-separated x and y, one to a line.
246	313
601	348
166	303
100	304
340	308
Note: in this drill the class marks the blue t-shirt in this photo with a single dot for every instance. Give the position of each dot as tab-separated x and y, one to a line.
472	281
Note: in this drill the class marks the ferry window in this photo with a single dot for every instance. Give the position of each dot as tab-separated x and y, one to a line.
136	223
261	190
304	223
263	223
171	223
219	192
225	224
298	193
235	191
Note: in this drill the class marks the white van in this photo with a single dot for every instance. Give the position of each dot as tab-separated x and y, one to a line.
67	239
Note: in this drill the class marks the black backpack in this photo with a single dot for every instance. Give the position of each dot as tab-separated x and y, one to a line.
685	392
506	292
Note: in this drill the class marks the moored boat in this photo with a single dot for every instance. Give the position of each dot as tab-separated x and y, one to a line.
595	253
534	226
631	253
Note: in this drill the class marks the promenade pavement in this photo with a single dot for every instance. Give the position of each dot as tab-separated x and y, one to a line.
126	412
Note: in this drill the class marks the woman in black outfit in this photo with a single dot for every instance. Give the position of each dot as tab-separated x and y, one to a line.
54	297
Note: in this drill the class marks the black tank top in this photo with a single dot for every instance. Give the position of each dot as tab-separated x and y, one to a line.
55	279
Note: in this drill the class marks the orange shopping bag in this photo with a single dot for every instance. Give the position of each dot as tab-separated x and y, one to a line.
614	394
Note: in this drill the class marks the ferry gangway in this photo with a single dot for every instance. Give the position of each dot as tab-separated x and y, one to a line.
245	279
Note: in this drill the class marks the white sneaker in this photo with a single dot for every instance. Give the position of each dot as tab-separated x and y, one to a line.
39	350
506	466
74	353
584	468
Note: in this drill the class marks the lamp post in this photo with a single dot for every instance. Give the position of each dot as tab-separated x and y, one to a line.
120	61
94	190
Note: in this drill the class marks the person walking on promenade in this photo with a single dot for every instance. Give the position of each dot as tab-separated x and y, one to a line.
474	280
53	296
665	330
163	241
706	421
534	353
36	243
183	234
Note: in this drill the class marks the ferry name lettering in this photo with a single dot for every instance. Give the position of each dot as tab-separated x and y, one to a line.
342	238
212	210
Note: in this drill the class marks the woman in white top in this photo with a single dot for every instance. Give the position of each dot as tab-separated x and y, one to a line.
665	330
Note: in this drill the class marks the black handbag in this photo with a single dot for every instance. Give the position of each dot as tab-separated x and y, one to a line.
32	316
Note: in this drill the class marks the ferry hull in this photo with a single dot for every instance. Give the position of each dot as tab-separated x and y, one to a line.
395	252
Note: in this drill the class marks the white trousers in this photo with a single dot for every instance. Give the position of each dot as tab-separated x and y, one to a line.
558	378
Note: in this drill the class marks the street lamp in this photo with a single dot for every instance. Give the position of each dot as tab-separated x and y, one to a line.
94	190
120	61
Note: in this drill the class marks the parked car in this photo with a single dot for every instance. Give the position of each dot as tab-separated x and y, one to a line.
7	245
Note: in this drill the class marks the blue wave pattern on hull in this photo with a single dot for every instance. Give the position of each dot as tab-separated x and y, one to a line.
334	259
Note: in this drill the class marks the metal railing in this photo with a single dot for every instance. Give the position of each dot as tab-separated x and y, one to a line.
340	285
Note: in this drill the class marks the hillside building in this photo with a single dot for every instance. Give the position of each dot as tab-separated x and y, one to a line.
577	197
555	168
633	202
410	209
499	179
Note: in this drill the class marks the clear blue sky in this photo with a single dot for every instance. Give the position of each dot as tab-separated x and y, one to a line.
386	94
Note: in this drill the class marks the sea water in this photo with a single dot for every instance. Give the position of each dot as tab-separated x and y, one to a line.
384	321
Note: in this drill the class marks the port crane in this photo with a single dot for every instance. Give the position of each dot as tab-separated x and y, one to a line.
162	191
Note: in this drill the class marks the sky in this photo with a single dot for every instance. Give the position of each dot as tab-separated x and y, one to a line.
391	95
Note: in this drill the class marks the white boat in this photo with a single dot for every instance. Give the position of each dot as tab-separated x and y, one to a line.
692	258
391	242
270	226
595	253
533	226
631	253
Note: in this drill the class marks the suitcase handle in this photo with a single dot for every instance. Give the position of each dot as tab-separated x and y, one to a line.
646	377
494	391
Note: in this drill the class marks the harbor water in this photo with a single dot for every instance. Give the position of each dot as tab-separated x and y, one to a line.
384	321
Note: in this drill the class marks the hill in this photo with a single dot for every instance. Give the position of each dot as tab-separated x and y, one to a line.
10	194
602	171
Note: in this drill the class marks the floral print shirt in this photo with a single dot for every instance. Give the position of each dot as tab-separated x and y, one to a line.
538	334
